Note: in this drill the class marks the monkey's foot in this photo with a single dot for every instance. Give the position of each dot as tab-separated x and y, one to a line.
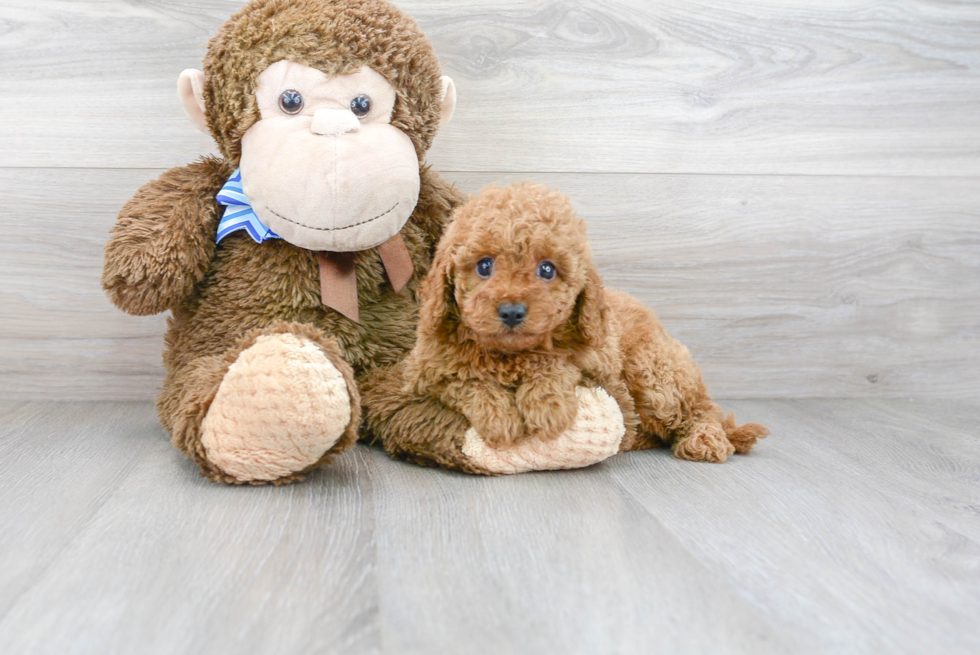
596	435
705	442
280	407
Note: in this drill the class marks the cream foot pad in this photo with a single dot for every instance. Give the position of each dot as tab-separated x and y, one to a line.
279	408
596	434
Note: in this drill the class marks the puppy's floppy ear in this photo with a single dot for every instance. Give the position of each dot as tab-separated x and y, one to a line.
591	313
439	316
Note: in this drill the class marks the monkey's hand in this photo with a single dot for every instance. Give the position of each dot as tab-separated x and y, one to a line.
596	434
163	240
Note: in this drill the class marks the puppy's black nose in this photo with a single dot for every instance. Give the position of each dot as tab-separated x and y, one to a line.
512	315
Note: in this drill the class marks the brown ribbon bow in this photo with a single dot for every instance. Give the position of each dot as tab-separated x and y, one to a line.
338	277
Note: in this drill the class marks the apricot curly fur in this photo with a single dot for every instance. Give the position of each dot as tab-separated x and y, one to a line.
519	383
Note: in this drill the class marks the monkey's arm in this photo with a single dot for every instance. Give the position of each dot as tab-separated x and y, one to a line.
489	407
437	201
411	426
163	240
426	431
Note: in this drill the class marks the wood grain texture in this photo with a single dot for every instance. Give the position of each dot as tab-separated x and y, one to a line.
249	570
61	464
715	148
534	563
858	519
780	286
852	529
754	86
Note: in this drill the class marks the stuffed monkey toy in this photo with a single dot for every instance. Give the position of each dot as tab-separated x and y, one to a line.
291	263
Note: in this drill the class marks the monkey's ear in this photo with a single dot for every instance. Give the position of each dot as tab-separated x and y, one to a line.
448	100
190	90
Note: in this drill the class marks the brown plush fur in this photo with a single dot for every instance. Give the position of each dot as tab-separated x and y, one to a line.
519	383
162	254
334	36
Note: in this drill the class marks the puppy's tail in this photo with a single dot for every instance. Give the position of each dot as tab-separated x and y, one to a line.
743	437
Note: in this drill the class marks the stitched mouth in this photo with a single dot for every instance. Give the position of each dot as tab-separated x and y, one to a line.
334	229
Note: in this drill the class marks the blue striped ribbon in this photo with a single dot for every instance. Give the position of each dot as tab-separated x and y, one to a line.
239	214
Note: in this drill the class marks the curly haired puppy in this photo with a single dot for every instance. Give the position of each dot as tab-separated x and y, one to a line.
515	317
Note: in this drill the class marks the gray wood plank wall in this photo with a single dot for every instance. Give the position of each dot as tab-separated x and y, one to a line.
793	186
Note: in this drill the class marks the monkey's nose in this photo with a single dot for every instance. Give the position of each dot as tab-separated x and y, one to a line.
334	122
512	315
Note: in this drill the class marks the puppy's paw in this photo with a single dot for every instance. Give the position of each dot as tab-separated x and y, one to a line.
547	418
704	443
595	434
500	428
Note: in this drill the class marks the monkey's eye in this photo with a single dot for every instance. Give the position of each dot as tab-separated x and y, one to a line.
546	270
484	267
291	101
360	105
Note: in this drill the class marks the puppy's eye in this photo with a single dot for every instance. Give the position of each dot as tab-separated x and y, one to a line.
484	267
360	105
291	101
546	271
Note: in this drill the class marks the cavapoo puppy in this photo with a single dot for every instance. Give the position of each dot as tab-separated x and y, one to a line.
515	317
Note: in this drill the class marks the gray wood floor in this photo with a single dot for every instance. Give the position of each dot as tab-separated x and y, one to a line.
854	528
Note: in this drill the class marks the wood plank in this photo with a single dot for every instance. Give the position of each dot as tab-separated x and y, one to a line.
756	86
57	324
789	286
170	563
61	463
851	529
780	286
855	521
544	563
